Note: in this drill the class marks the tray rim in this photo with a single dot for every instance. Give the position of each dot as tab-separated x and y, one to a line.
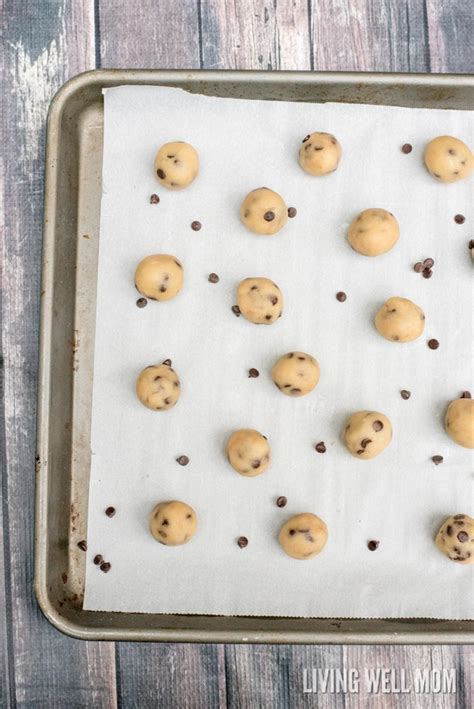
108	77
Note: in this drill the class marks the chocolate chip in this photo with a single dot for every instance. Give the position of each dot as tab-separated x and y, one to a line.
307	137
195	226
428	263
295	390
291	212
341	296
154	199
377	425
105	567
253	373
418	267
437	459
373	545
255	464
98	559
471	244
292	532
269	216
213	278
110	511
281	501
161	174
236	310
82	545
459	218
182	460
463	536
405	394
320	447
449	530
459	516
163	289
433	344
466	395
427	273
365	442
407	148
167	362
142	303
242	542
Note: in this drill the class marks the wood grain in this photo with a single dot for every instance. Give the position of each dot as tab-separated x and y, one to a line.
450	30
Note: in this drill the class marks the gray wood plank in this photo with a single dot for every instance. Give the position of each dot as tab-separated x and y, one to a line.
44	44
450	31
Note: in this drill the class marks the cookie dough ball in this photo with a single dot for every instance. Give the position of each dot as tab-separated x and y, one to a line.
173	523
448	159
260	300
248	452
159	277
373	232
296	373
303	536
264	212
320	153
176	165
400	320
455	539
158	387
367	433
459	422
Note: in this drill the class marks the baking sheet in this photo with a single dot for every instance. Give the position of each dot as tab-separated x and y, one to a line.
400	497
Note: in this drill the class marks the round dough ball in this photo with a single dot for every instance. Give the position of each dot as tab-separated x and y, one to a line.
400	320
173	523
158	387
373	232
176	165
455	539
459	422
296	373
448	159
260	300
159	277
248	452
303	536
263	211
320	153
367	433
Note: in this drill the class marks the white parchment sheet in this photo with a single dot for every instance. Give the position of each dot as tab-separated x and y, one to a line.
400	498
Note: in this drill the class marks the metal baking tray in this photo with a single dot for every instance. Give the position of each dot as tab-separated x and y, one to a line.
68	291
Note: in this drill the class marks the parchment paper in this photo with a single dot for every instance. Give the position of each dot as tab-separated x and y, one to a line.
399	498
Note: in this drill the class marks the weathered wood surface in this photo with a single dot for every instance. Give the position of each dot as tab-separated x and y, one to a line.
44	43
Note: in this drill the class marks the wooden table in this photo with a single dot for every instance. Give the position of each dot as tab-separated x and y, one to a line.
45	43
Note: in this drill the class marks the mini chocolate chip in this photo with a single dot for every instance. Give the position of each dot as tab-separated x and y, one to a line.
98	559
405	394
281	501
437	459
269	216
320	447
463	536
165	523
365	442
307	137
459	219
377	425
167	401
433	344
195	226
373	545
142	303
427	273
471	244
161	174
253	373
418	267
295	390
105	567
154	199
273	299
213	278
428	263
236	310
341	296
292	532
242	542
459	516
110	511
449	530
466	395
182	460
407	148
291	212
82	545
167	362
255	464
268	317
163	289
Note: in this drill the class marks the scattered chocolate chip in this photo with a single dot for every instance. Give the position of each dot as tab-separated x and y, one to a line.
98	559
269	216
405	394
281	501
167	362
154	199
236	310
105	567
291	212
466	395
253	373
463	536
459	219
161	174
182	460
407	148
418	267
110	511
373	545
213	278
433	344
320	447
341	296
142	303
242	542
377	425
428	263
82	545
195	226
427	273
437	459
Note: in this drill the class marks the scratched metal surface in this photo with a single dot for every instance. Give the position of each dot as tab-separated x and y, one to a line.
45	42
